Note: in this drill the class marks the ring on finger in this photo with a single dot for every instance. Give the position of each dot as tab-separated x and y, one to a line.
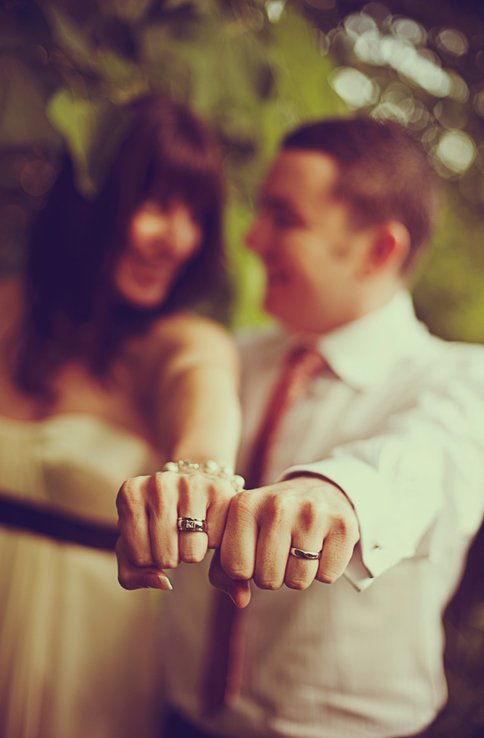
300	553
191	525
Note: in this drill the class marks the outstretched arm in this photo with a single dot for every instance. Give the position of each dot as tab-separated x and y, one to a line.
198	411
196	417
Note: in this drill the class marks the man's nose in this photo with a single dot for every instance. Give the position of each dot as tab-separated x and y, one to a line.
255	237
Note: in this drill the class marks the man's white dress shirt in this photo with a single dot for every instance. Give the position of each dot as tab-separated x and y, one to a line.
397	422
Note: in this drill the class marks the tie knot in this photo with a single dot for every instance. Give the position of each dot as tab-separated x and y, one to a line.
302	365
304	362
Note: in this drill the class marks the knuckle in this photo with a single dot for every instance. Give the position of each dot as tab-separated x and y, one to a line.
129	496
161	483
346	529
297	583
328	577
193	557
267	582
142	560
162	477
241	504
159	479
155	504
160	495
167	561
276	508
192	484
308	516
236	570
165	481
188	489
221	490
339	528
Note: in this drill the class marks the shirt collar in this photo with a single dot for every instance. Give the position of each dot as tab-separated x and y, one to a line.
363	351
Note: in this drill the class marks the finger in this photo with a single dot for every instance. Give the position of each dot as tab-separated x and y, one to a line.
132	577
337	551
162	505
301	572
133	520
308	533
309	525
193	492
237	590
271	556
238	547
221	494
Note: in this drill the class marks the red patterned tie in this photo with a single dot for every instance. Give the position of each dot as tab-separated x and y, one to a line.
222	675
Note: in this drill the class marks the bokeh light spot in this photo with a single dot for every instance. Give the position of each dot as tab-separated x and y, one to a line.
409	30
456	150
354	87
452	41
275	9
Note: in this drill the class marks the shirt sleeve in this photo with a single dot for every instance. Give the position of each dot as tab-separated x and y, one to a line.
417	481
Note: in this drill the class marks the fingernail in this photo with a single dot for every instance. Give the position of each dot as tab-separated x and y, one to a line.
165	583
238	596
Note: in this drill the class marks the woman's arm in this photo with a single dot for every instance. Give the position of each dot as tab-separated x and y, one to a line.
197	413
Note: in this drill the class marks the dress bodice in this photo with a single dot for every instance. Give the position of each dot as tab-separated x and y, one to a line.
71	462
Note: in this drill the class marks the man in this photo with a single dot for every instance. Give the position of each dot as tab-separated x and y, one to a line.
373	469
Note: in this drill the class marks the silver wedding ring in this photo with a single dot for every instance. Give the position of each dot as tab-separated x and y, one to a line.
298	553
191	525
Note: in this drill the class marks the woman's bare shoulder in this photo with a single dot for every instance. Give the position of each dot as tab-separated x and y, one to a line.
190	333
184	328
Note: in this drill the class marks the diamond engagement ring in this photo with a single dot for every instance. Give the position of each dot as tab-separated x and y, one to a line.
191	525
298	553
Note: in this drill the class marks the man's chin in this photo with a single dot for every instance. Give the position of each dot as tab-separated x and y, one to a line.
279	309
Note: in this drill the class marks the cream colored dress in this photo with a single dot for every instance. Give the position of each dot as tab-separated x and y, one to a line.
78	654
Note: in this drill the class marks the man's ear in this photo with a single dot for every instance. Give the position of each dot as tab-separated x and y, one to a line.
388	248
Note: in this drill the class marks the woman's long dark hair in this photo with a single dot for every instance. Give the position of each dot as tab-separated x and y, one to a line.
72	308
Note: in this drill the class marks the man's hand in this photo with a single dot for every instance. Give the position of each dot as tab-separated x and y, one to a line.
148	510
304	512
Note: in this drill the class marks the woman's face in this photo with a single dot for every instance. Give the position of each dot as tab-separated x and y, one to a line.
159	243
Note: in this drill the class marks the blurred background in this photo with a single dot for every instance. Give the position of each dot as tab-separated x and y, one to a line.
255	68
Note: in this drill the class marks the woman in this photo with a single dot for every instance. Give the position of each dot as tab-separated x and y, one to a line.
103	376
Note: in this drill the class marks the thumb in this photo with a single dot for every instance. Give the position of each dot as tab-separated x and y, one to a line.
237	589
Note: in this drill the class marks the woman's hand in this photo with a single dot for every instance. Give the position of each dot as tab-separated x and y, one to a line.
153	510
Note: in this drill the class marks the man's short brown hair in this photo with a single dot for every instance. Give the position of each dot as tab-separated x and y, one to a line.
384	174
